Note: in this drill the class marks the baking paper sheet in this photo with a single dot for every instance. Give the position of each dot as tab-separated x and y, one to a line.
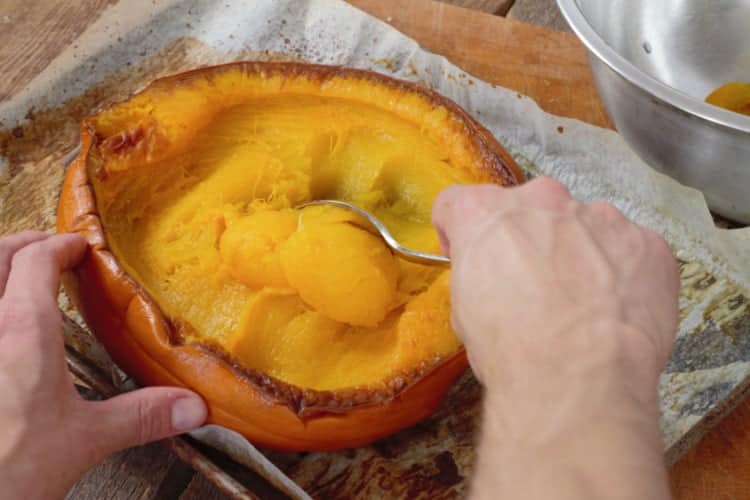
135	41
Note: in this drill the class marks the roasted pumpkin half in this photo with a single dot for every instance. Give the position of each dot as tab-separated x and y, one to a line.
299	327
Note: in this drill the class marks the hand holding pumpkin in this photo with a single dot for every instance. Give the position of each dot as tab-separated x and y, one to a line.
49	435
568	313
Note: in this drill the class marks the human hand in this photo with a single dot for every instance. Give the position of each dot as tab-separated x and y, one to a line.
568	312
50	435
539	279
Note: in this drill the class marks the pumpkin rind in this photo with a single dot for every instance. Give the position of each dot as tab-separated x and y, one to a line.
268	412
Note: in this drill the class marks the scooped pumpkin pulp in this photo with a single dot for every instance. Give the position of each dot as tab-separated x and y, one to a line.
208	226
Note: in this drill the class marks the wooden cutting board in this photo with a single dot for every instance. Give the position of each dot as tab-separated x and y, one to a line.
549	66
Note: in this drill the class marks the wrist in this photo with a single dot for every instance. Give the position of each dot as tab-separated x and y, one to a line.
581	423
588	459
602	370
598	356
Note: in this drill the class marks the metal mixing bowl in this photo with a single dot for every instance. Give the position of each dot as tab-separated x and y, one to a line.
654	63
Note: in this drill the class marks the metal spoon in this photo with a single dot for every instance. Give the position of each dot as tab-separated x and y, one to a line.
406	253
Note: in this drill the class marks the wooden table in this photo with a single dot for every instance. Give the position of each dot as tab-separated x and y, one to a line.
32	32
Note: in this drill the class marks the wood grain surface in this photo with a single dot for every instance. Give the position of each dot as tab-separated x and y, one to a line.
549	66
203	489
34	31
717	468
150	472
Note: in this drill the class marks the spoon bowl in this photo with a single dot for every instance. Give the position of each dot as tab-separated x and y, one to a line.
378	226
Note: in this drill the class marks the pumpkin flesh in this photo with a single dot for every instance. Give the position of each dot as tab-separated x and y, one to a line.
187	194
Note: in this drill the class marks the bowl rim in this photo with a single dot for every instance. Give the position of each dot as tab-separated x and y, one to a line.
604	52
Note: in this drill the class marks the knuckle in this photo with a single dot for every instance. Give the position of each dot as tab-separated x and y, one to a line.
607	211
545	182
469	202
150	421
9	243
468	205
144	422
549	187
636	241
29	233
663	252
445	203
29	254
658	242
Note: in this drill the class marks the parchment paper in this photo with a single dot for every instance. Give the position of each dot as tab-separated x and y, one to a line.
136	41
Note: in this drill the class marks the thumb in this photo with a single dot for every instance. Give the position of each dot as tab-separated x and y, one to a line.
142	416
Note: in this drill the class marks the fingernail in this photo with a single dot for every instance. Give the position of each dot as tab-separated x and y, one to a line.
188	413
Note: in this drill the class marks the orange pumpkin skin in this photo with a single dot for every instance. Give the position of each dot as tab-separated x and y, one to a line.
141	341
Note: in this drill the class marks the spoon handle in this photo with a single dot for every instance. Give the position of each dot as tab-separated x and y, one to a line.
408	254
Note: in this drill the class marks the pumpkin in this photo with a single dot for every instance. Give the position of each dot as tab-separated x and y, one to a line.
298	327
